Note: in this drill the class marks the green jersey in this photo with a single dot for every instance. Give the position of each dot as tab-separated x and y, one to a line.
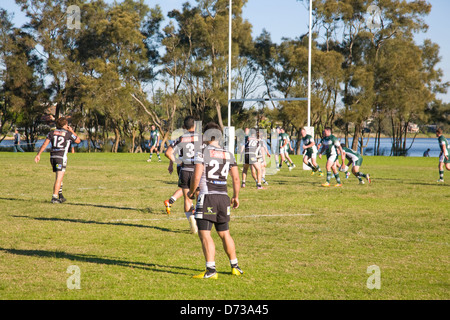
285	139
352	155
307	140
331	144
154	135
443	143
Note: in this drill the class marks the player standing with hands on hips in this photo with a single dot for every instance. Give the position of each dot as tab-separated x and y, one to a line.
212	166
60	139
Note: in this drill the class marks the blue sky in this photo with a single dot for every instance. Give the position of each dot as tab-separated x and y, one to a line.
289	19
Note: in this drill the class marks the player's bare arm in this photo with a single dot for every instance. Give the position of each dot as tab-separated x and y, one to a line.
44	145
236	185
198	171
169	154
342	153
68	128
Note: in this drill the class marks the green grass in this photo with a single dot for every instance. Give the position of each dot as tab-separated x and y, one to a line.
295	240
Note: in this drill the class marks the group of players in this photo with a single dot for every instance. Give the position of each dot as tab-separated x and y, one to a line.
203	167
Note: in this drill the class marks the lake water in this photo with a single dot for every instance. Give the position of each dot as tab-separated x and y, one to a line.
417	150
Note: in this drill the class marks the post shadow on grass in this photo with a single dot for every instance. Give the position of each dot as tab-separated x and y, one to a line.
98	260
121	224
145	210
413	182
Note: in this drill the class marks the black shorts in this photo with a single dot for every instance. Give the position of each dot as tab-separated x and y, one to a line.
206	225
184	179
213	207
250	158
58	164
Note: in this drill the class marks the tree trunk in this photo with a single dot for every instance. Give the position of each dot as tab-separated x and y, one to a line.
356	136
219	113
116	139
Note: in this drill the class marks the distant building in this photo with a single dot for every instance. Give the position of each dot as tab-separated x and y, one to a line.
413	128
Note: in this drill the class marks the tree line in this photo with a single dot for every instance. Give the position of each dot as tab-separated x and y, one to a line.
128	66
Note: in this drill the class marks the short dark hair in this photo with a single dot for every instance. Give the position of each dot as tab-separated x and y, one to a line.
328	128
189	122
61	122
211	127
438	130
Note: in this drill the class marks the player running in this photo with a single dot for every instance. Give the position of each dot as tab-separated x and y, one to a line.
212	167
60	140
177	194
154	143
444	160
285	146
355	159
331	145
310	152
186	146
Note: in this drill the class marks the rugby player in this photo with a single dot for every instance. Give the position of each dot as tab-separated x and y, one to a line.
332	146
186	146
178	193
250	159
154	143
310	152
285	146
444	155
261	153
60	140
212	167
355	159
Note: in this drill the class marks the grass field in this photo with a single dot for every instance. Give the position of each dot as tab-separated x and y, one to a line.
295	239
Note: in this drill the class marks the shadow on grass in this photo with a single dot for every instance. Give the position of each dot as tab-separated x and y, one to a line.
146	210
97	260
414	182
99	222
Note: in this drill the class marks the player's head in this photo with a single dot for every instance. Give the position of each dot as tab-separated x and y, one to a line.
16	130
327	131
153	127
278	129
438	132
303	132
61	123
212	132
189	123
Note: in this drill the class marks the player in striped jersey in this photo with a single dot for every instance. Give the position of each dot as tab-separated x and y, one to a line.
212	166
355	159
444	156
251	151
60	140
186	146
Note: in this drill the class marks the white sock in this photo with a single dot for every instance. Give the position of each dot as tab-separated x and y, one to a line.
234	261
55	196
211	265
